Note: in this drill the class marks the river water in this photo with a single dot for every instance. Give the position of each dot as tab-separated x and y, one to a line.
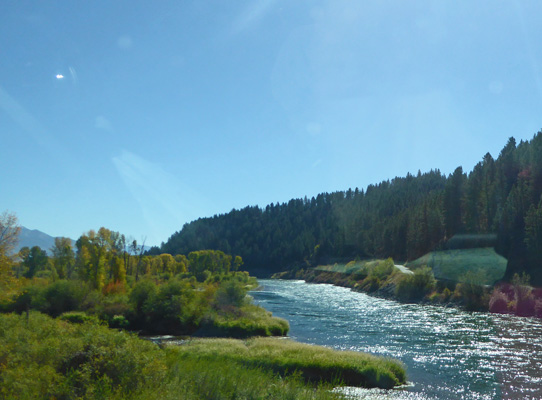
449	353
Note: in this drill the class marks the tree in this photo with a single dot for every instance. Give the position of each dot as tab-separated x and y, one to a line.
237	263
118	270
9	235
453	194
35	261
63	257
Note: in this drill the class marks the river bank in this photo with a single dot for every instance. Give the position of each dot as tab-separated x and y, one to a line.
515	298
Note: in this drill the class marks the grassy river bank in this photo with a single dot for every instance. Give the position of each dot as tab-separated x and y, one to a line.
42	357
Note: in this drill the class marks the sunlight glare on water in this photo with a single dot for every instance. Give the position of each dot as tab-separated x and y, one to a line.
449	353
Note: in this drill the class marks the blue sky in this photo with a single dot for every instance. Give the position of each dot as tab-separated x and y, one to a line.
141	116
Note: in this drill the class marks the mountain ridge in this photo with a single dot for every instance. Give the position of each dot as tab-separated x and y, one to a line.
34	237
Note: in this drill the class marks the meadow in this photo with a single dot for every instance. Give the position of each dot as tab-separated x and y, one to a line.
461	265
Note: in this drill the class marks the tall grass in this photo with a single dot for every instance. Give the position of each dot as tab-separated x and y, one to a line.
44	358
249	320
312	363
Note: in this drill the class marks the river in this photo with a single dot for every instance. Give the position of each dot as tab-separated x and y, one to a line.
449	353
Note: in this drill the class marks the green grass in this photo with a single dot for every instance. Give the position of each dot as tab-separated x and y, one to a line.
457	265
349	268
46	358
352	267
250	320
42	358
311	363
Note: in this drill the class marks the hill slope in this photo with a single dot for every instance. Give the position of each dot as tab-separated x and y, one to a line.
33	237
404	218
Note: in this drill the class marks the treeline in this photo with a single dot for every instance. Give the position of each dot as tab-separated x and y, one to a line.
104	257
403	218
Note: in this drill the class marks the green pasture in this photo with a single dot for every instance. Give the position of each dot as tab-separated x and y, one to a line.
349	268
464	264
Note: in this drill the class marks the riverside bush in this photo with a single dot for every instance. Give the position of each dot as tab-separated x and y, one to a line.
178	306
414	287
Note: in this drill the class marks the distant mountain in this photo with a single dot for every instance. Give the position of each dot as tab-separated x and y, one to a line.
33	237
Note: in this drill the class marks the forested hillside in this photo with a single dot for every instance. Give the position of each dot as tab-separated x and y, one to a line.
403	218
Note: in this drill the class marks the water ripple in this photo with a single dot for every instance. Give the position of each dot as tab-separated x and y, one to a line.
450	354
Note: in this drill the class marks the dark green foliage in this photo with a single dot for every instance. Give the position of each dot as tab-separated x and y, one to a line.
342	224
54	299
171	310
403	218
33	260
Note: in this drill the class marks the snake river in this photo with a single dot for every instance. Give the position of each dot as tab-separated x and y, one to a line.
449	353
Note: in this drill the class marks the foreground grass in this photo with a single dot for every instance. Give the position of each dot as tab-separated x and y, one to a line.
41	357
312	363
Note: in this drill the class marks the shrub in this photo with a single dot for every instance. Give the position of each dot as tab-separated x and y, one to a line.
141	293
446	294
54	299
414	287
231	293
78	317
370	284
383	269
474	295
114	288
498	303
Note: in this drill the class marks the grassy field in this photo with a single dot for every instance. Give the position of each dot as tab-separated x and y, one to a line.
482	264
351	267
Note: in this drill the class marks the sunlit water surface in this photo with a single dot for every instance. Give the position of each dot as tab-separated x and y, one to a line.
449	354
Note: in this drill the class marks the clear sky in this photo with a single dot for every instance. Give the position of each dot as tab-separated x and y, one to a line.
141	116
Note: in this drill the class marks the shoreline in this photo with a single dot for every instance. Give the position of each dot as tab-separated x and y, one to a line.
518	300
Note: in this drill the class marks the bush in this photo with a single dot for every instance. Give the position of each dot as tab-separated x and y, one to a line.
231	293
54	299
370	284
474	296
78	317
414	287
446	294
383	269
45	358
140	294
